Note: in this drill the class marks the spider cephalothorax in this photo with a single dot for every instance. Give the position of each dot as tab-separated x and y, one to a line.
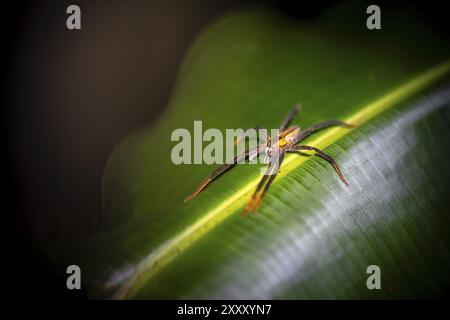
288	140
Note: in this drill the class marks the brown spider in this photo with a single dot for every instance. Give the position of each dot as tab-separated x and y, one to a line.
287	141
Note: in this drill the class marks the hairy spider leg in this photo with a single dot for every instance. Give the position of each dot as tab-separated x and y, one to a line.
322	155
322	125
266	181
220	170
287	120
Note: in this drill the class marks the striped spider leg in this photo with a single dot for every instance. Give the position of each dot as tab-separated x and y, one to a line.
247	155
264	185
305	133
321	154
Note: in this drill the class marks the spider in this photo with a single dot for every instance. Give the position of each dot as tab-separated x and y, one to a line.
288	142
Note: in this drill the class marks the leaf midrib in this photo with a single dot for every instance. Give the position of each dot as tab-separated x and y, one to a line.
170	249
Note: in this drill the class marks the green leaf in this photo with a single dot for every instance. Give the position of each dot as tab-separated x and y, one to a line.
312	237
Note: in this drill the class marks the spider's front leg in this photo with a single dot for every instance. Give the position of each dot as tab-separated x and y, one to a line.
220	170
323	125
322	155
287	120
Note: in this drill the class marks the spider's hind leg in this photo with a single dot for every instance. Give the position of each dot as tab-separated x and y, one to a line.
322	155
263	185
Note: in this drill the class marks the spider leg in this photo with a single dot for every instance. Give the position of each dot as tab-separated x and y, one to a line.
289	117
263	186
261	183
322	125
220	170
322	155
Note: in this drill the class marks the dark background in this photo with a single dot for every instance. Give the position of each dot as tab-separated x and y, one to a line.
71	96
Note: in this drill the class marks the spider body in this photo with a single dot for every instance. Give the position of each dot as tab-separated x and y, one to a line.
287	142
